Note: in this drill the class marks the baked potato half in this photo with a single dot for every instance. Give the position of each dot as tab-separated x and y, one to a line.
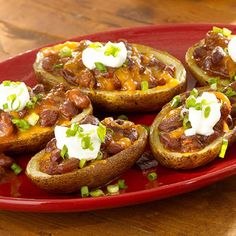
186	133
28	116
213	60
123	144
145	80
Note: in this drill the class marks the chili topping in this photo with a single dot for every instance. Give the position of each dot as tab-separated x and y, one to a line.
195	121
96	141
111	66
216	54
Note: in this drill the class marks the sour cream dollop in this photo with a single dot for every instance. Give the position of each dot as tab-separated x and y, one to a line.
111	54
74	143
202	124
232	48
13	96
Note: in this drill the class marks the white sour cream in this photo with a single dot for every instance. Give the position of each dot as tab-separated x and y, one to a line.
13	96
92	55
73	143
232	48
201	124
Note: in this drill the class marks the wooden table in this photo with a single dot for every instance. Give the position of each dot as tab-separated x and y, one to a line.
26	24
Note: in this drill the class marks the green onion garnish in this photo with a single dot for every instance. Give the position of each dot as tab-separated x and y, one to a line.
230	92
122	117
73	130
207	111
234	78
112	50
17	169
214	86
114	188
33	119
121	183
65	52
186	122
144	85
84	191
175	101
82	163
96	193
11	98
101	131
152	176
95	45
214	80
6	83
5	106
223	149
194	92
100	67
198	106
190	101
86	143
64	152
21	124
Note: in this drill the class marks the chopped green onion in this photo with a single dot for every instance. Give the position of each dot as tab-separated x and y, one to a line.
11	98
84	191
113	188
82	163
73	130
100	67
194	92
217	29
186	122
144	85
5	106
198	106
101	131
86	143
122	117
223	149
65	52
190	101
226	32
99	156
214	80
96	193
214	86
234	78
64	152
58	66
21	124
230	92
112	50
152	176
33	119
6	83
121	183
175	101
35	99
207	111
17	169
95	45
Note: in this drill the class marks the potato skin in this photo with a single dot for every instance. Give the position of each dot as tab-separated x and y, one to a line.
34	139
94	175
127	101
177	160
199	74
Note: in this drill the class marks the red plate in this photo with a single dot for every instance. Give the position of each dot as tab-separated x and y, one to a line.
19	194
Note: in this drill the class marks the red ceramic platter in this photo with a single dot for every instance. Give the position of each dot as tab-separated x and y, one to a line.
19	194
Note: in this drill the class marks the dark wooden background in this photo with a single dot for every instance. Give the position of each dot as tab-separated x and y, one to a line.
26	24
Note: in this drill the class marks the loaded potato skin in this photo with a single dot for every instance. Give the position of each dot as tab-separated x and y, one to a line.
147	79
96	172
212	60
28	116
187	152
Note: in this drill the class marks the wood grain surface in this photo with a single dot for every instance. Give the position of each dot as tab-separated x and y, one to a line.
25	25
